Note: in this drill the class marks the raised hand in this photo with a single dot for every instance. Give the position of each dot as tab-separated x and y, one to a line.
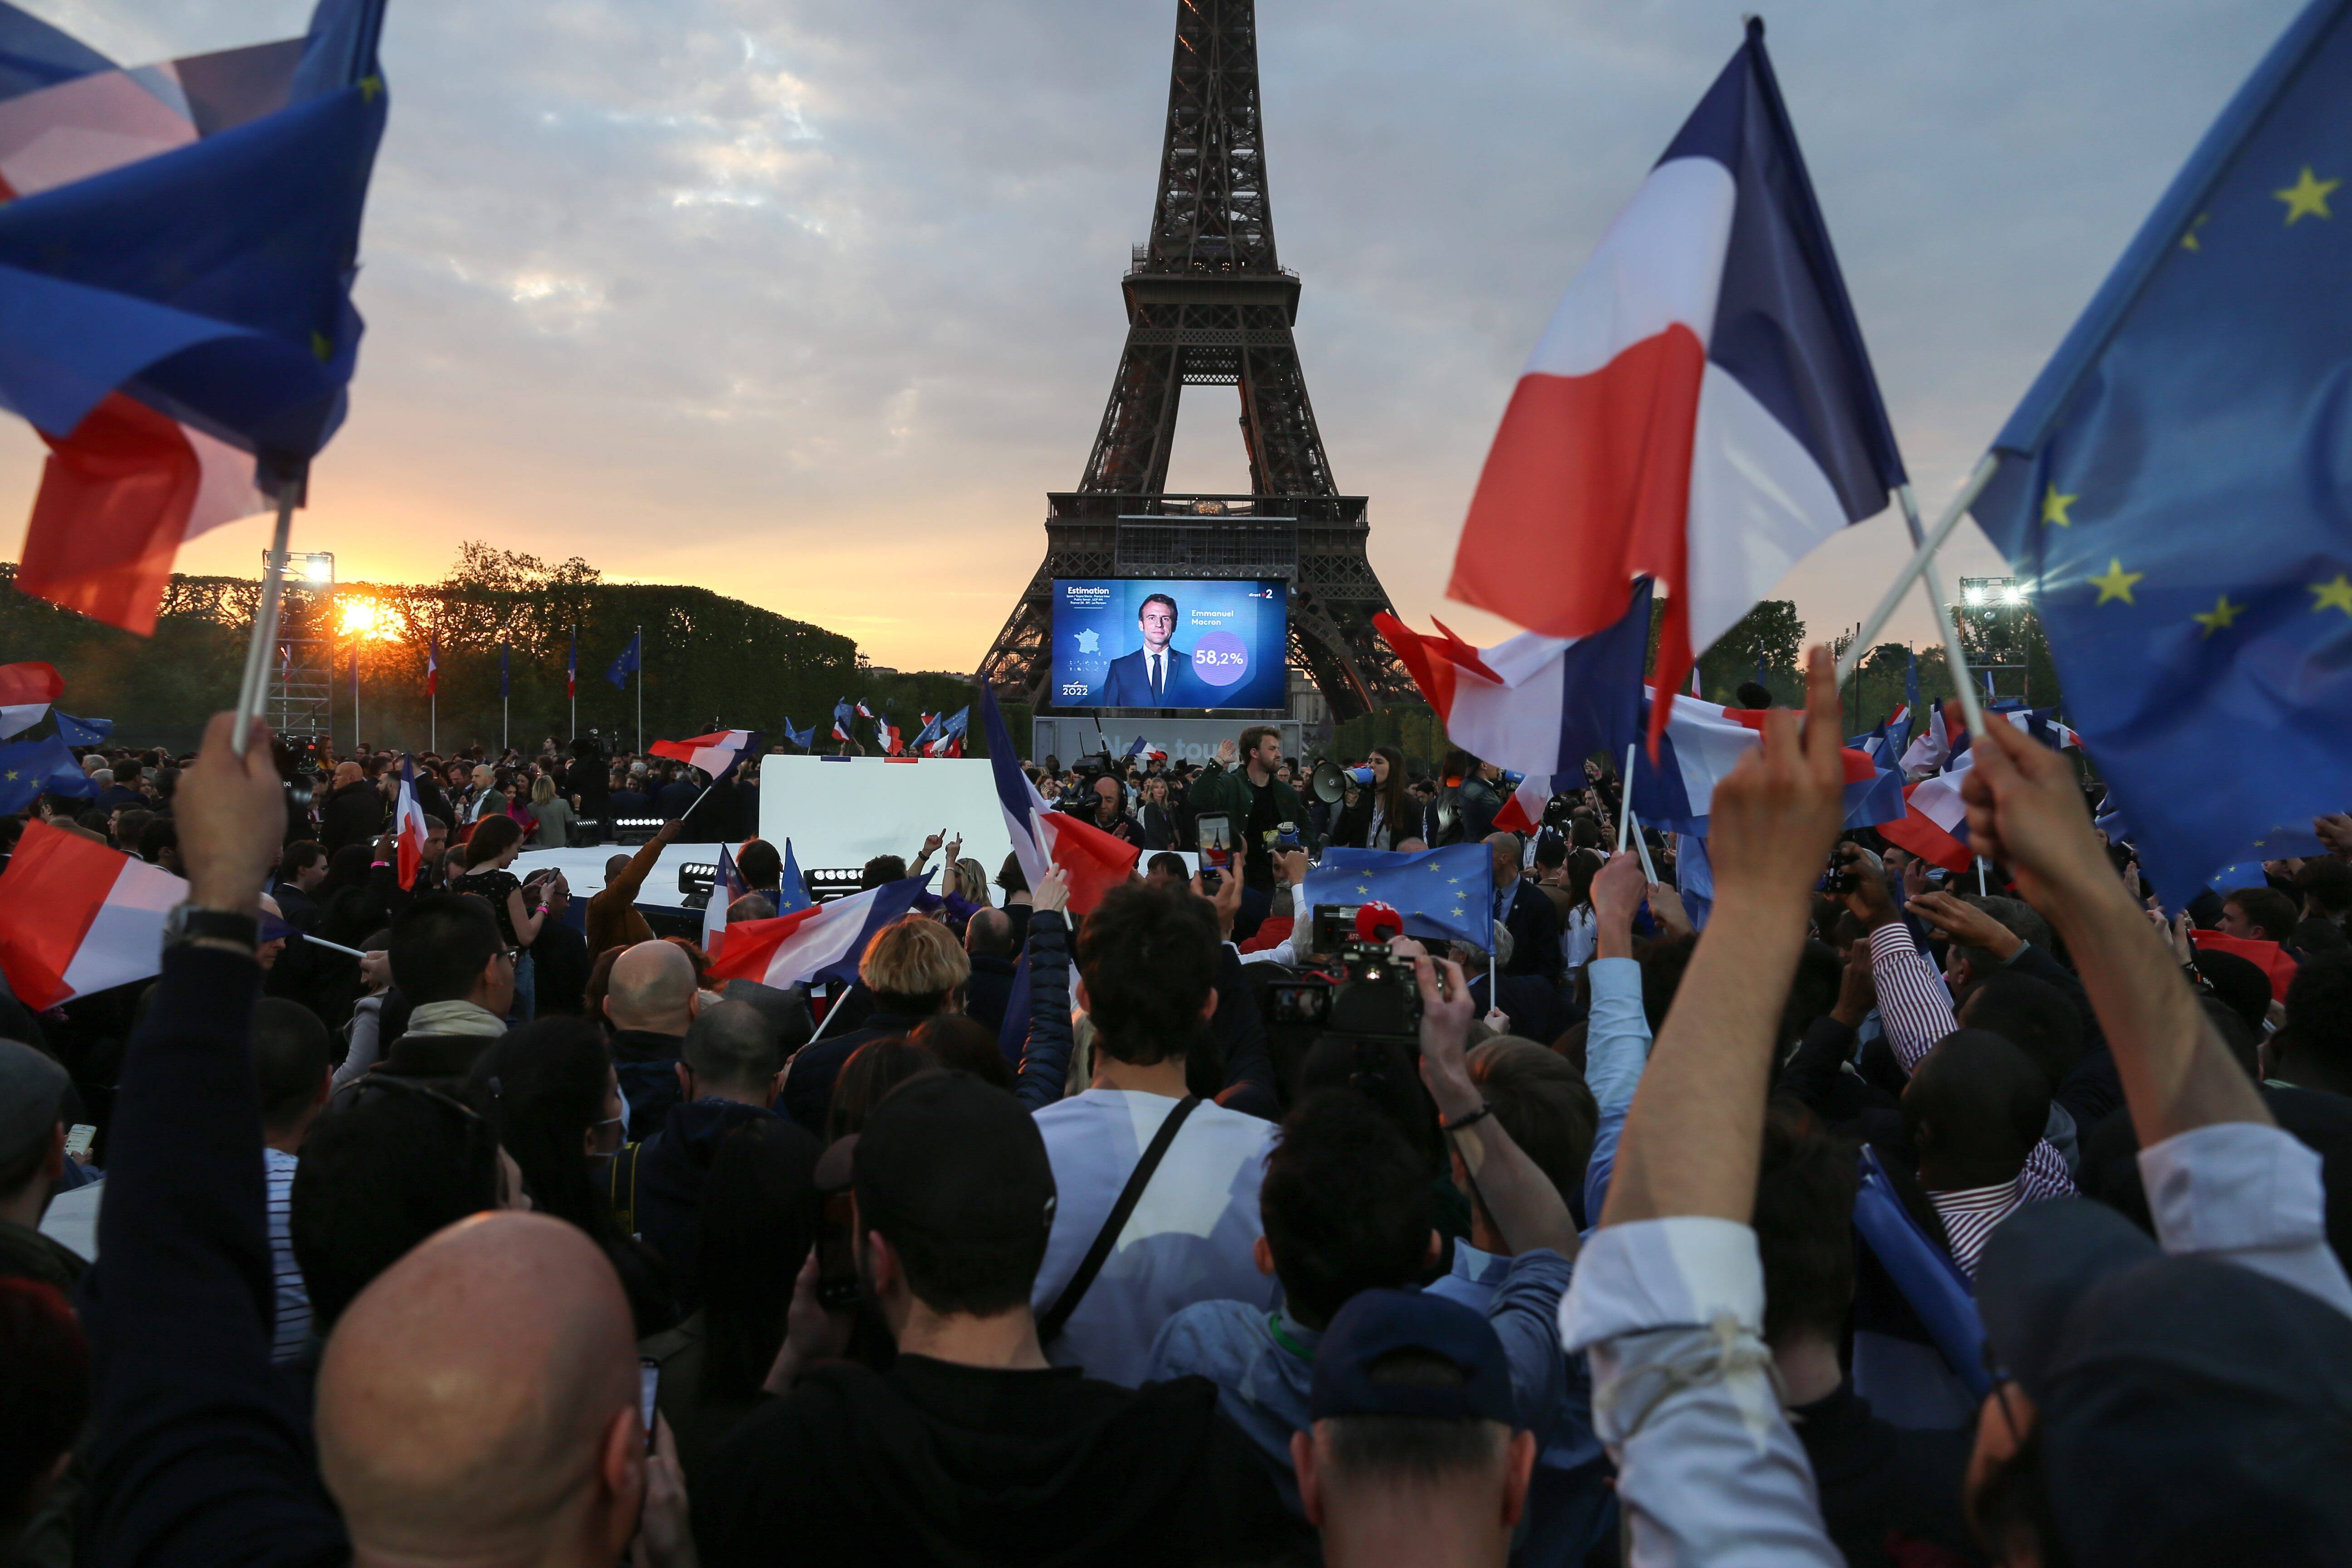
1785	802
2335	830
1857	987
1446	1037
1229	751
2025	809
1666	908
1965	924
231	812
1872	904
1052	891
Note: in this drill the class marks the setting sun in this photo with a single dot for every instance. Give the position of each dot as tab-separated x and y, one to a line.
366	619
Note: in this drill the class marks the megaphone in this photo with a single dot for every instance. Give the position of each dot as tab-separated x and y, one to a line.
1330	784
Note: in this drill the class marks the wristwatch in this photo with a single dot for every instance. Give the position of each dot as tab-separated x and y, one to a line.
190	922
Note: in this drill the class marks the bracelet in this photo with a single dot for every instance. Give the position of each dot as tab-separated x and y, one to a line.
1450	1128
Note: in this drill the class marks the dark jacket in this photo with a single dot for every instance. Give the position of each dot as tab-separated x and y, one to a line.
937	1463
353	813
1534	925
989	987
1163	828
1218	789
559	962
1045	1054
1882	1488
202	1455
808	1079
667	1171
647	1065
443	1062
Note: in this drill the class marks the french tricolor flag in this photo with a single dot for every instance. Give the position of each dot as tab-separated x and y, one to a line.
823	943
716	753
25	693
1934	826
725	887
1535	704
1700	410
1700	746
76	917
1093	861
408	829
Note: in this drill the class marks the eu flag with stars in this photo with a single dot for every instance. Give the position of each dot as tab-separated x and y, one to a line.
2177	484
1446	893
632	660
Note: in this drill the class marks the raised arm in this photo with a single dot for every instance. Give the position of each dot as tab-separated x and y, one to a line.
1913	1002
2025	809
1668	1299
1527	1209
200	1456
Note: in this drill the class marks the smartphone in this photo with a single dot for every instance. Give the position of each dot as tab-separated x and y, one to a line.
648	1386
79	1138
1216	832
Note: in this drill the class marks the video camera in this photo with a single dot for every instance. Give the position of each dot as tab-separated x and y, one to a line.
1377	998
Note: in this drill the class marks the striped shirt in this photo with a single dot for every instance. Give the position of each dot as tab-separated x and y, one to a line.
1916	1009
1971	1213
293	1299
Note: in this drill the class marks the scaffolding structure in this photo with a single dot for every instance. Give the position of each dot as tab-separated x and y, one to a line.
301	702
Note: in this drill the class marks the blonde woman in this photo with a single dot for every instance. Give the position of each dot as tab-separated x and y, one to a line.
553	812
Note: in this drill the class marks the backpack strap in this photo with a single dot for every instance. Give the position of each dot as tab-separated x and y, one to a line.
1058	1316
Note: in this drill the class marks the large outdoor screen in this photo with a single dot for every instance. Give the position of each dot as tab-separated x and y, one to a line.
1161	643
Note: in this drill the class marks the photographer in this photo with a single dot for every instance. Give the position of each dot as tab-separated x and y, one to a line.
1110	811
1259	807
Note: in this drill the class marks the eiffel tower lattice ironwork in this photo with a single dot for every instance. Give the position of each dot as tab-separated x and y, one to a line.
1209	305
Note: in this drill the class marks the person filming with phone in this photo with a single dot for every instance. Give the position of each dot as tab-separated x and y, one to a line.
1265	814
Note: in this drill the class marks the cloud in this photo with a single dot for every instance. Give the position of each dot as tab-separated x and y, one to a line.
813	303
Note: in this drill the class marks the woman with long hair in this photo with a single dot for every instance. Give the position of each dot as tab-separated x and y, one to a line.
496	841
1163	828
1384	812
549	1090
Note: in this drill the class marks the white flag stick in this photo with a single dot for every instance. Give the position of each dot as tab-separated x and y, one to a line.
1922	562
1625	797
1649	871
255	684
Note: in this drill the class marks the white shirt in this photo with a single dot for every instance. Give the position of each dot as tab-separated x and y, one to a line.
1190	1239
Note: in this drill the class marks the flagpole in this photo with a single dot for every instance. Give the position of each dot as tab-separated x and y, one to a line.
355	701
1943	626
255	680
1922	560
641	694
1625	797
571	679
1648	868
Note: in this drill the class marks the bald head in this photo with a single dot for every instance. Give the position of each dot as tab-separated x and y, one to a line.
652	989
1507	852
613	866
348	773
479	1399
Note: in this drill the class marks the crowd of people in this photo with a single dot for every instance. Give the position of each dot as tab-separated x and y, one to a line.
1871	1218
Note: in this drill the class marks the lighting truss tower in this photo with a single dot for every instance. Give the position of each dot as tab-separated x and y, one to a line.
301	677
1209	305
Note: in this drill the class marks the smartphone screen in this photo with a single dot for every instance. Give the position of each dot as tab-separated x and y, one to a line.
649	1388
79	1138
1216	831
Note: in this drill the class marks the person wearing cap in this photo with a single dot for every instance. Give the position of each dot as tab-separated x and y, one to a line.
972	1447
1346	1210
1415	1453
33	1091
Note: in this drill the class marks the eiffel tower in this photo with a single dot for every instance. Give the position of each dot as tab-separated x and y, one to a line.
1208	305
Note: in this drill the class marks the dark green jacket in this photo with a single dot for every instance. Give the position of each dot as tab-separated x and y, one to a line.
1220	790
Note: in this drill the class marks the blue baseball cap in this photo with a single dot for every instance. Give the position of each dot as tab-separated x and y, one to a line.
1361	1362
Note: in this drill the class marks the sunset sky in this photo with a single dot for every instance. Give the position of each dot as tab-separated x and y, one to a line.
811	303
